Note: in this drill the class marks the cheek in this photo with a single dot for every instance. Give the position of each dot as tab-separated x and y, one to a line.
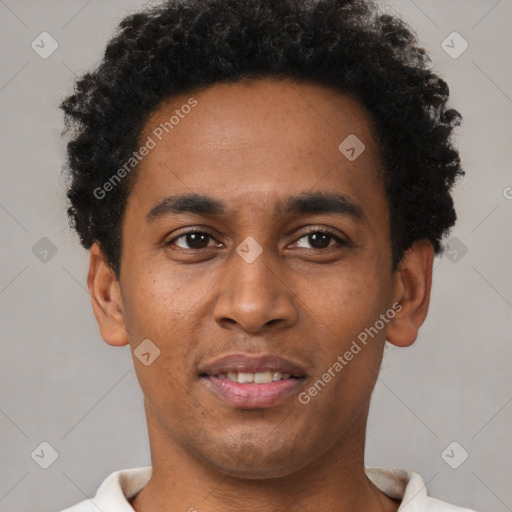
349	307
161	307
158	311
154	302
349	351
348	301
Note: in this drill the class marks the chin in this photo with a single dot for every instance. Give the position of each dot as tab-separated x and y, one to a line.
261	470
251	460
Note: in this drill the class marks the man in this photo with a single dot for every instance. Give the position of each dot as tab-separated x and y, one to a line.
262	186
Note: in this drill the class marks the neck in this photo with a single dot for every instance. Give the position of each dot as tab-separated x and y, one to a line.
334	481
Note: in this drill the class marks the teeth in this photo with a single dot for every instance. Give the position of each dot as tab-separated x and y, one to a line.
263	377
245	378
256	378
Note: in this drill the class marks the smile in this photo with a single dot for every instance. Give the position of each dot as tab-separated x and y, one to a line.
253	382
256	378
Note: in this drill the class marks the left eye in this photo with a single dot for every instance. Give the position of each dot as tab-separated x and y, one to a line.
320	239
194	240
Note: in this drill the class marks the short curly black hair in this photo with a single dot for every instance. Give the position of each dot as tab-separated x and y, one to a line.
181	46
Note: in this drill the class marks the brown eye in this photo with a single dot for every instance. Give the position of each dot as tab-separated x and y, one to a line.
193	240
320	239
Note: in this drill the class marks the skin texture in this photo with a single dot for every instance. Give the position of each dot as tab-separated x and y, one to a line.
251	145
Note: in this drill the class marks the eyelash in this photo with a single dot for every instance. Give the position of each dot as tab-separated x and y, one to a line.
325	231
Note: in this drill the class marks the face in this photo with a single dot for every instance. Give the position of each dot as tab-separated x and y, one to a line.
253	248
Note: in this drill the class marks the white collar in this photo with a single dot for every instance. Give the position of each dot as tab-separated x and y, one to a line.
400	484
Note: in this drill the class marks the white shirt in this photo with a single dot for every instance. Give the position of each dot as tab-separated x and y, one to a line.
119	487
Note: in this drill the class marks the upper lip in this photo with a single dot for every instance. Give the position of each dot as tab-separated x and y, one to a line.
252	363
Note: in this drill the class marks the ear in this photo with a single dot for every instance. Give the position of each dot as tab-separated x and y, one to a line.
413	283
106	298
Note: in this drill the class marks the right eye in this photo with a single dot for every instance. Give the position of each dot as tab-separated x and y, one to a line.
192	240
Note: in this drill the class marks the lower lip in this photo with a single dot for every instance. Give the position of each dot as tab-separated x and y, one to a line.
254	396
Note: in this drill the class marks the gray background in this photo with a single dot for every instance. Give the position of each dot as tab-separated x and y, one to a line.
60	383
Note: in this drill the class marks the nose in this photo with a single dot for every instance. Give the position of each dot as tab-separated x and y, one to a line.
255	296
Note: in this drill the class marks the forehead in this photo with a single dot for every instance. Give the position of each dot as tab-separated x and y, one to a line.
253	142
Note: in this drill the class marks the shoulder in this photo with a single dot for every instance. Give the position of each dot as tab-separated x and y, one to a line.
410	488
115	491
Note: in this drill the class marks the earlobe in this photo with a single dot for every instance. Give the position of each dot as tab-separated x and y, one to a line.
412	291
106	298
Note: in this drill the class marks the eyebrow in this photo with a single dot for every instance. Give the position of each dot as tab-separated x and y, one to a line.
321	203
305	203
186	203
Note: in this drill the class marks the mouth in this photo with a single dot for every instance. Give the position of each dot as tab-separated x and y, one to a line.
253	382
263	377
